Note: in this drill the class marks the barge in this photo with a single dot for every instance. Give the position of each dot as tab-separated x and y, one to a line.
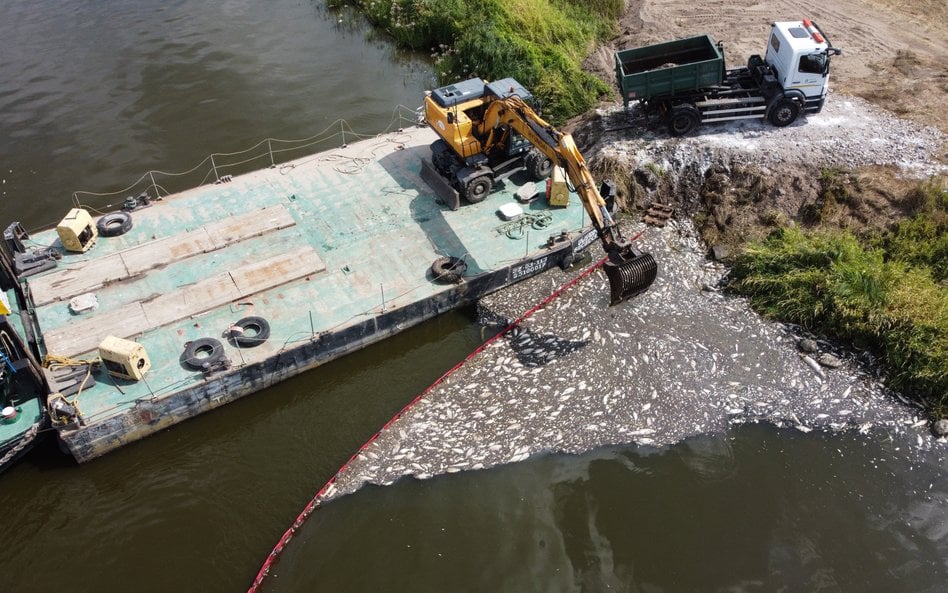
137	320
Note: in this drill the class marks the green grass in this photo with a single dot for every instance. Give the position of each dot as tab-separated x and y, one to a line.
923	239
889	294
541	43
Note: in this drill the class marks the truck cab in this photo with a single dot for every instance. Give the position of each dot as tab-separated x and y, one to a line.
799	54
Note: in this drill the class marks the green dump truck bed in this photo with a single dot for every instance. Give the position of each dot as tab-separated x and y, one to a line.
669	68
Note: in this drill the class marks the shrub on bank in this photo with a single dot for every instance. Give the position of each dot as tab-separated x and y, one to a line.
541	43
889	295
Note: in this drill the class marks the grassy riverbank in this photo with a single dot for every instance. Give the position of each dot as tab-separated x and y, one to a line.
887	292
541	43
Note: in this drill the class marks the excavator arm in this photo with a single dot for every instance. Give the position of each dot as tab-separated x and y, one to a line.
629	270
512	112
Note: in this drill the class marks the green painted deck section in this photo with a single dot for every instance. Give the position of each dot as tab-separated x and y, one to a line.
312	246
28	413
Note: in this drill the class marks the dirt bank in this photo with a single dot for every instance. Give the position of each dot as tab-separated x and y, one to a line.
894	51
855	165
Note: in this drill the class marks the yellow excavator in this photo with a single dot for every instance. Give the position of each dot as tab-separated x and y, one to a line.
489	131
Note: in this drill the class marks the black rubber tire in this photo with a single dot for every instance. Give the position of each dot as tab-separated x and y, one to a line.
784	112
201	353
478	189
567	261
683	119
538	165
448	269
260	327
114	224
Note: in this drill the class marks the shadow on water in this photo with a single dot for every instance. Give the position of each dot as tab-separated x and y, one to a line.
534	349
756	509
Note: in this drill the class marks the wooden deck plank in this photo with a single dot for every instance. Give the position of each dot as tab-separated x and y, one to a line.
250	224
216	235
151	255
84	336
191	300
277	270
88	276
78	278
135	318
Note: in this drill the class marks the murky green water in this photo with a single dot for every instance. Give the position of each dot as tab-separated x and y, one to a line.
93	94
754	510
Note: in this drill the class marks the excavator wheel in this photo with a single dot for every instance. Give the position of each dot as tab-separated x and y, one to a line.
538	165
477	189
630	272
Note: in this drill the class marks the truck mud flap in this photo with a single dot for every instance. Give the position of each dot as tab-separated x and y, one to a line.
440	185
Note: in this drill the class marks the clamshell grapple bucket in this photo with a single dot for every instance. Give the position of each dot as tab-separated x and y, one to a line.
630	272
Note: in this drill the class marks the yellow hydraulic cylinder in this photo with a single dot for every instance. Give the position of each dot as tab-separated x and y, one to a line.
557	192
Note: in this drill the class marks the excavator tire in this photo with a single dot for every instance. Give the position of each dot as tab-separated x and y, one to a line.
478	188
538	165
629	274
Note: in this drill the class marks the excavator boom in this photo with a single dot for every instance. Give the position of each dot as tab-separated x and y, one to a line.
480	125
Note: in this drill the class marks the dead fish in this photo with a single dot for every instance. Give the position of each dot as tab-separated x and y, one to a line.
813	365
642	432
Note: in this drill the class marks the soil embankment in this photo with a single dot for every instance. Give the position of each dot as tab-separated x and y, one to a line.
881	131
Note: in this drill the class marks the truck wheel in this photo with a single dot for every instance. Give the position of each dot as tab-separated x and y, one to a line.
784	112
538	165
683	119
477	189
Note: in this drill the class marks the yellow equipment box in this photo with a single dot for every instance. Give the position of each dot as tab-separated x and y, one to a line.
76	231
124	358
557	192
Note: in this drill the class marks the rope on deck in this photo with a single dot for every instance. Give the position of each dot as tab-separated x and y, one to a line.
271	149
28	437
315	502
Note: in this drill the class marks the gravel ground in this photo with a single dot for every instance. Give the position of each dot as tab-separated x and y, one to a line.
679	360
849	132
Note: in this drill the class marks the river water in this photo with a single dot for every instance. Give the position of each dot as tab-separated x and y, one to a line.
93	94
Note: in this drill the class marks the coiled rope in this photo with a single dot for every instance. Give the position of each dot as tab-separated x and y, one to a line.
268	147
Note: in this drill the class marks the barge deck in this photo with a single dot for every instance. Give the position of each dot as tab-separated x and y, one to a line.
332	252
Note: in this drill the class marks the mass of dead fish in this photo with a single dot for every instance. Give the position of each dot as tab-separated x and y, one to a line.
676	361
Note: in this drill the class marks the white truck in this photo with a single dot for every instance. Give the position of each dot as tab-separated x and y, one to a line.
685	81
